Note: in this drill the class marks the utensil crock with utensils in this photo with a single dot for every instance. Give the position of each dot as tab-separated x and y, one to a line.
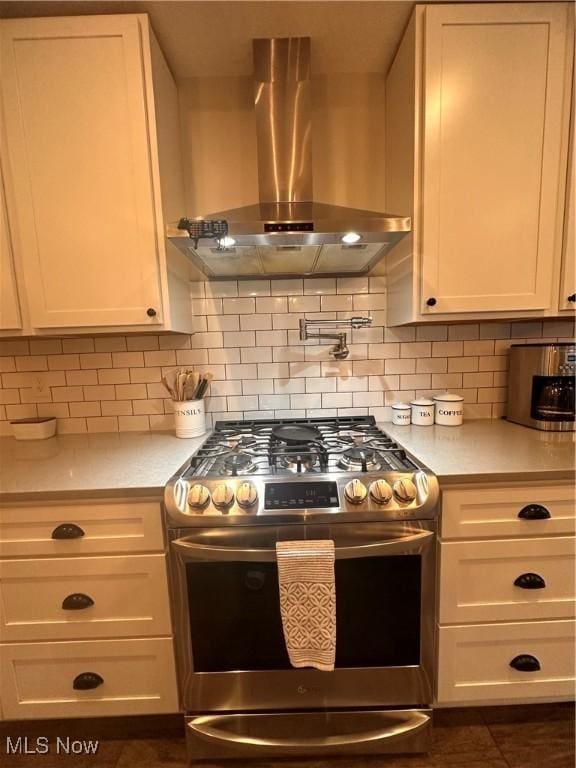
189	418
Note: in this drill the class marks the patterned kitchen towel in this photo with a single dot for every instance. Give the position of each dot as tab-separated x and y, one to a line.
308	602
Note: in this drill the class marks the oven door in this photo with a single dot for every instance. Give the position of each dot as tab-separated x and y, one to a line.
230	644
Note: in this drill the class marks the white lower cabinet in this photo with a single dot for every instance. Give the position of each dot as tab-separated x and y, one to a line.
507	596
491	662
507	580
85	627
86	597
87	679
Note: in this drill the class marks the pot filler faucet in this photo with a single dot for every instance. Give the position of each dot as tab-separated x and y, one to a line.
340	351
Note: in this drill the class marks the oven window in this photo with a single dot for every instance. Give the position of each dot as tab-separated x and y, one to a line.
235	614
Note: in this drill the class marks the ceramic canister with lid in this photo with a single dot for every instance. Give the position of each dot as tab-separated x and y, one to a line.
422	411
449	409
401	413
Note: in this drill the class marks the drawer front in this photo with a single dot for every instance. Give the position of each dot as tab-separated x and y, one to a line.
474	663
137	677
477	580
84	597
494	512
93	528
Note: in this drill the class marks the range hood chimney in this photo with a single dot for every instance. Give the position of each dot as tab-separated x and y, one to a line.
287	233
283	99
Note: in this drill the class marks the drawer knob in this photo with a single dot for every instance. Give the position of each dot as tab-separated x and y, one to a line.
77	602
86	681
530	581
525	663
534	512
67	531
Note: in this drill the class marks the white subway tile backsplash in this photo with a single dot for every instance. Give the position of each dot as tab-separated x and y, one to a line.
247	334
44	347
287	287
256	355
35	363
254	288
336	303
223	356
78	345
141	343
262	322
304	303
106	376
369	301
239	339
101	344
222	323
337	400
352	285
244	306
273	304
221	288
319	286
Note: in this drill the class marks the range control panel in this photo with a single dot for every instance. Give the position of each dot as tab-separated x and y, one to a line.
398	495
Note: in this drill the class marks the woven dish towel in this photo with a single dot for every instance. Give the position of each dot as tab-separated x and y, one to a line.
308	602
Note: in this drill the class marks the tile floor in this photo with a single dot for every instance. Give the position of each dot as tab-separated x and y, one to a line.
497	737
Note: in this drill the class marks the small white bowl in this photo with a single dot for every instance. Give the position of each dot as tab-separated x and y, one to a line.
40	428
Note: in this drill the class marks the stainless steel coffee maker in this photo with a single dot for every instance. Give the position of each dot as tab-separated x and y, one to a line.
541	386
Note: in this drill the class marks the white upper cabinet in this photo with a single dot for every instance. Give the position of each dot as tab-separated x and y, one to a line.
485	119
83	164
10	315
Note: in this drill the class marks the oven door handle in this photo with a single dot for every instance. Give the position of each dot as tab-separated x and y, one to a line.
197	551
213	728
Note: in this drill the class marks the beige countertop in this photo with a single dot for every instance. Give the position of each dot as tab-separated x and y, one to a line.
142	462
81	465
486	450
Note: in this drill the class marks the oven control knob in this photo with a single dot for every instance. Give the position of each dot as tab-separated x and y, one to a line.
246	495
222	496
355	491
380	491
405	491
198	496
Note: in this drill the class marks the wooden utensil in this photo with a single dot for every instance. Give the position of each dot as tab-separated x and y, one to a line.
191	385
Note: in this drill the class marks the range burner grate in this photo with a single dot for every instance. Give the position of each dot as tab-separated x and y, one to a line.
351	444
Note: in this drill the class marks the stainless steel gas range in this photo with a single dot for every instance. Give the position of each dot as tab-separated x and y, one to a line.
250	485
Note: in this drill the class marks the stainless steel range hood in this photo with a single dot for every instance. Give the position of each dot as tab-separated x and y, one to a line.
287	233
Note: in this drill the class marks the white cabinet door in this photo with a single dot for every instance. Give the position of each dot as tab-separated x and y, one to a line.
10	317
78	171
496	106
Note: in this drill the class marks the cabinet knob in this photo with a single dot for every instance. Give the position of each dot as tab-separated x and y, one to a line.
67	531
77	602
534	512
431	302
572	297
86	681
530	581
151	312
525	663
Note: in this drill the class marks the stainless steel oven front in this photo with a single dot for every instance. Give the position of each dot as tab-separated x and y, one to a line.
237	685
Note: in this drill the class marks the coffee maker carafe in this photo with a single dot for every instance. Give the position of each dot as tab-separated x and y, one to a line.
541	386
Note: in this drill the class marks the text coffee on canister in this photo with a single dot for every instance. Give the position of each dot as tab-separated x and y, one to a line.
449	409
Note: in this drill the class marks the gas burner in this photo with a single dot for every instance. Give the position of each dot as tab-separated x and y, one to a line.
359	459
298	461
237	464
